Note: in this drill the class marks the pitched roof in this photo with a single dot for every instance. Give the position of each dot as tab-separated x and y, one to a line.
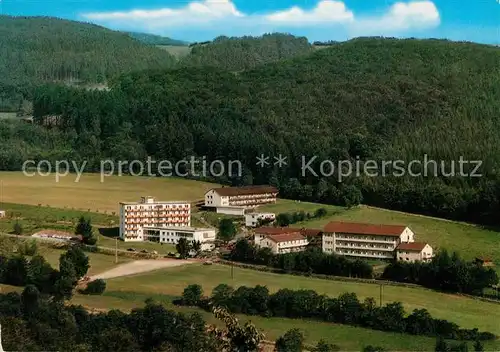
412	246
364	229
245	190
276	230
285	237
311	232
288	230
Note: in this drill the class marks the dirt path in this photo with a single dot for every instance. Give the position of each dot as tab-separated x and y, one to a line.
140	266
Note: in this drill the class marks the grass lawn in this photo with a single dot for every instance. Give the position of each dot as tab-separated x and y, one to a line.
104	241
349	338
90	194
463	311
98	262
34	218
290	206
214	218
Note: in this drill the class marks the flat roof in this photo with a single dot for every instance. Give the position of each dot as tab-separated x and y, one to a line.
244	190
157	202
177	228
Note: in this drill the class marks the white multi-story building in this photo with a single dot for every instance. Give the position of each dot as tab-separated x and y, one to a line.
252	219
235	200
171	235
414	252
365	240
148	212
281	240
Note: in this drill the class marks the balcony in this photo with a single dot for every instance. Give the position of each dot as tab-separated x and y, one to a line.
365	248
364	239
364	255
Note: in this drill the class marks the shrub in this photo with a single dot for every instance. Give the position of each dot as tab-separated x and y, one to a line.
96	287
18	228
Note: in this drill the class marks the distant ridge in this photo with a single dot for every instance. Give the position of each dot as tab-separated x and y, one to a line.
153	39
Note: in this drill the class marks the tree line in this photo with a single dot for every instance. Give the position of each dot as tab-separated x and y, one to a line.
287	219
444	272
345	309
310	261
19	270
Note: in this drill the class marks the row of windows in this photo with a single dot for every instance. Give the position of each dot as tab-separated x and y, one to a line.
160	206
350	244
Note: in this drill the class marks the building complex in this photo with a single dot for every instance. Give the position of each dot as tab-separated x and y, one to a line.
236	200
364	240
350	239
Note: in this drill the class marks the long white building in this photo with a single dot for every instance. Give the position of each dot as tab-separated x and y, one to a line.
134	216
172	234
235	200
365	240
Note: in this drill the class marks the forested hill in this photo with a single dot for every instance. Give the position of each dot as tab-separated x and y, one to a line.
380	99
236	54
152	39
34	49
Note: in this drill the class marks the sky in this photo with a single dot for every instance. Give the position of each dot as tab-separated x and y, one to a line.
318	20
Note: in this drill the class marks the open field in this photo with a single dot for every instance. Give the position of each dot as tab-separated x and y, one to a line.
176	50
8	115
349	338
99	263
90	194
34	218
463	311
468	239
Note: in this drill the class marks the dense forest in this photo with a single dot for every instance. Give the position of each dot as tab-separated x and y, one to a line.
35	50
366	99
41	49
236	54
152	39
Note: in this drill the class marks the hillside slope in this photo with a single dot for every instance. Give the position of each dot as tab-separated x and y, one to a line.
153	39
237	54
366	99
35	49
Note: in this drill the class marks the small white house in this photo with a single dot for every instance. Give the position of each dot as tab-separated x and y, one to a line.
3	214
414	252
252	219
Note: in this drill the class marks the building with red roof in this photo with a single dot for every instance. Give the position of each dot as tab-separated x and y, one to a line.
414	251
235	200
369	241
281	239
